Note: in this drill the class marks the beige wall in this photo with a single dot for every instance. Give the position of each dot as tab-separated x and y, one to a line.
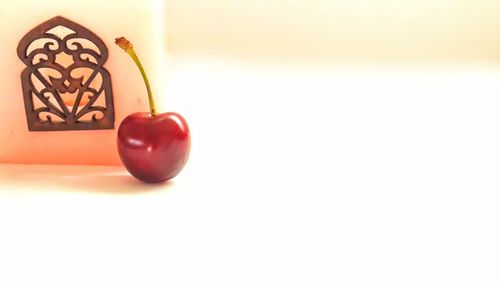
337	30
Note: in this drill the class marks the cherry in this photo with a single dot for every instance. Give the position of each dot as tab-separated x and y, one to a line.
153	147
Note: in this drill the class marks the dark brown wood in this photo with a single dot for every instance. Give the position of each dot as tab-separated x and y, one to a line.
54	114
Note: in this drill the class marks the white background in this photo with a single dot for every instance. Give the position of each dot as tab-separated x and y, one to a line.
296	173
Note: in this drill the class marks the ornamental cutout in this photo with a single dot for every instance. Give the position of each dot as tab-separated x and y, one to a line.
65	85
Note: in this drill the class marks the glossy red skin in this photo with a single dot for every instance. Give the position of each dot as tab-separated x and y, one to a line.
154	148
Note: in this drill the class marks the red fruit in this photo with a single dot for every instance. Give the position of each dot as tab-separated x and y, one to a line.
154	148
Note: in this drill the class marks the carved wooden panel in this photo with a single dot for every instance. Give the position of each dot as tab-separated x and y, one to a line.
65	85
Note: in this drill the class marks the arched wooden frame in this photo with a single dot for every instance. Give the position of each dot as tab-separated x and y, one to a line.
45	80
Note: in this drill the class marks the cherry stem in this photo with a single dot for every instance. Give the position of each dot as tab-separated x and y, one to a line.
128	47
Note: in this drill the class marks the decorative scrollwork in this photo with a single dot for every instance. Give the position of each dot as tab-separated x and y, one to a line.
65	84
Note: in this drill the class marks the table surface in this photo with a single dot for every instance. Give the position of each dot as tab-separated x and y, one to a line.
355	173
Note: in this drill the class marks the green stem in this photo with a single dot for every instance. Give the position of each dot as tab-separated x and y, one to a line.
132	54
